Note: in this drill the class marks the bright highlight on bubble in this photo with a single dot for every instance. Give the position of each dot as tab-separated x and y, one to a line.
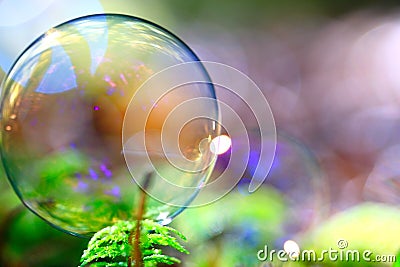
220	144
292	249
63	108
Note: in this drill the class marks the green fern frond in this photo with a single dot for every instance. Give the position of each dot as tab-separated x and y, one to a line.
110	246
161	259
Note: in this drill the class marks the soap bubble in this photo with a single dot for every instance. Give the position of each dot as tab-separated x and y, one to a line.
296	173
63	107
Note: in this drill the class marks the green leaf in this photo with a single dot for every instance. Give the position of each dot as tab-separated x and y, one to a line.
110	246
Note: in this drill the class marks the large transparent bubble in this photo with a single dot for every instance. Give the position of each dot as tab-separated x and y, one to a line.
63	108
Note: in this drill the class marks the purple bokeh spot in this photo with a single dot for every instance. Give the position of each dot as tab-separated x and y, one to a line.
108	173
82	187
110	91
93	174
103	167
115	191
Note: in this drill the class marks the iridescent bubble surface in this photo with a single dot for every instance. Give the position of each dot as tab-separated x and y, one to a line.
63	106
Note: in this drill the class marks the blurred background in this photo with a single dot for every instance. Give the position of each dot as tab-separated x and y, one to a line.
329	70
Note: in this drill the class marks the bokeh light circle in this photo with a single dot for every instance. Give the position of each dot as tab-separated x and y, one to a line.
63	106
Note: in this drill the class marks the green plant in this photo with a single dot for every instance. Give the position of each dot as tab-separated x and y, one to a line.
111	247
133	243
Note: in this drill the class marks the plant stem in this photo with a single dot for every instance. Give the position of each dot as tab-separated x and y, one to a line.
134	236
